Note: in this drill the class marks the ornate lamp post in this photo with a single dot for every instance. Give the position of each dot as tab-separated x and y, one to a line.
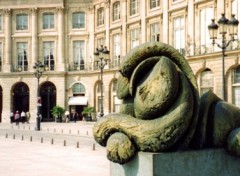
38	67
101	59
224	24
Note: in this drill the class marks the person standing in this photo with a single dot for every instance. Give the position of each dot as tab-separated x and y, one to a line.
17	118
28	115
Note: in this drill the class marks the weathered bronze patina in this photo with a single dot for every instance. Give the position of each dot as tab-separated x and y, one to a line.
161	109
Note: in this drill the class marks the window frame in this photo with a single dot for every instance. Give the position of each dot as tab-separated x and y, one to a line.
81	23
22	56
50	17
100	16
23	19
49	59
116	11
79	60
134	7
154	4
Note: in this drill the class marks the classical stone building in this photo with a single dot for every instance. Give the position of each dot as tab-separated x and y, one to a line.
63	35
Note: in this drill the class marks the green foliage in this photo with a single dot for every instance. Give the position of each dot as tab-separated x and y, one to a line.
57	111
87	111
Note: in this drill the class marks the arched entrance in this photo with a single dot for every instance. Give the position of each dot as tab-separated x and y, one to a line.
20	97
48	96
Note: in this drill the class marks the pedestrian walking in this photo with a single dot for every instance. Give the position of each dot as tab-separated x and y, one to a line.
17	117
23	116
11	117
67	116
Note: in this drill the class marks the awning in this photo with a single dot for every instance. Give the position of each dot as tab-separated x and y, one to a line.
78	100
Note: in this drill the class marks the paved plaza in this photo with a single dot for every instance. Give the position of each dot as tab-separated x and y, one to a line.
59	149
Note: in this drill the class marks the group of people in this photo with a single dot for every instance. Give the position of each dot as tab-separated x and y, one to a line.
73	116
19	117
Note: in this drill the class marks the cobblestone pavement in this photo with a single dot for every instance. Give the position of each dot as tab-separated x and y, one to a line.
59	149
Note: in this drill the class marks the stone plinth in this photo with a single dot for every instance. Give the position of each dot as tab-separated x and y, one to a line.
213	162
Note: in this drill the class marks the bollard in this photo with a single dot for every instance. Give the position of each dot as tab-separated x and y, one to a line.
93	146
64	143
13	136
29	127
77	145
54	130
69	131
30	138
52	141
22	137
6	135
78	132
62	130
41	140
87	132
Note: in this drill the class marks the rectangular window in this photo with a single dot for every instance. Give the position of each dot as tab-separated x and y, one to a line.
78	20
79	54
48	52
134	35
116	50
100	41
22	54
116	104
154	3
100	16
22	22
236	12
206	82
179	34
205	19
134	7
116	11
48	20
155	32
236	96
0	56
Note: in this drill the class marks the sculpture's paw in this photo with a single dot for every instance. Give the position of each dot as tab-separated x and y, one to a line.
233	142
119	148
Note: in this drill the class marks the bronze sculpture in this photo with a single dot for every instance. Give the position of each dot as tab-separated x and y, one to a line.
161	109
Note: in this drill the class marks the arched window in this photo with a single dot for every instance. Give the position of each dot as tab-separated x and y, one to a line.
78	89
116	11
236	86
206	81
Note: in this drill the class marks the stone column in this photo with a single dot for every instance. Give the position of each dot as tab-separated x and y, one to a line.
107	23
34	40
165	22
143	7
60	61
8	32
90	50
124	28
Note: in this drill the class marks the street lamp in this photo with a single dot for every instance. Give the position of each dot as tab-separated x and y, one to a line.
38	67
224	24
101	59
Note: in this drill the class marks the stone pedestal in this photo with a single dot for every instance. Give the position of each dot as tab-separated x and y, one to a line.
213	162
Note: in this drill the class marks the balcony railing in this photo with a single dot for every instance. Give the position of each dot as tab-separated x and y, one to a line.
208	49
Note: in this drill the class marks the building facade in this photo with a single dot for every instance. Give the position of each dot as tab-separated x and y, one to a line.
64	34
